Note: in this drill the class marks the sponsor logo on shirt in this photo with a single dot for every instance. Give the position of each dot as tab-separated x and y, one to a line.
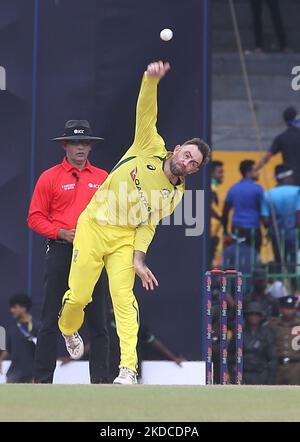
68	186
142	194
133	173
94	185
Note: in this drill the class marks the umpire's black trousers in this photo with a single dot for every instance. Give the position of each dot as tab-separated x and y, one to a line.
58	260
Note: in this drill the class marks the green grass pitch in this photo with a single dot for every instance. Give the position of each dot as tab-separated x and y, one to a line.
113	403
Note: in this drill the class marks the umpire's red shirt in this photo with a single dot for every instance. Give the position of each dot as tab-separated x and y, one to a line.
60	195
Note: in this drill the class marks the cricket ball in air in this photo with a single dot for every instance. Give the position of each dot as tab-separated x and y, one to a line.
166	34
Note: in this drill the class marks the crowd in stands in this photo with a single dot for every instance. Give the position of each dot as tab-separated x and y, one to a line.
271	304
271	335
277	209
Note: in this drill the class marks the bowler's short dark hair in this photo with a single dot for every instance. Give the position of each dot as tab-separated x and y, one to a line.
246	166
202	146
20	299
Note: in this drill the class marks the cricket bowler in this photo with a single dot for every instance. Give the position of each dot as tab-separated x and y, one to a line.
117	227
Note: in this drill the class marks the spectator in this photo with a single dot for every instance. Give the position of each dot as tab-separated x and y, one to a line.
245	199
259	348
273	5
285	200
21	339
287	143
217	178
239	255
286	330
269	305
60	195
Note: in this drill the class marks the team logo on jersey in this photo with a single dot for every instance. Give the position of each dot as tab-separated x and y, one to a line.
165	193
133	173
150	167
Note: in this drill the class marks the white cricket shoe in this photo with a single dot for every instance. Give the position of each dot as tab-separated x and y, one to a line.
75	346
126	377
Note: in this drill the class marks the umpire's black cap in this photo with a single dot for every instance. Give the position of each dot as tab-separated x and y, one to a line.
77	130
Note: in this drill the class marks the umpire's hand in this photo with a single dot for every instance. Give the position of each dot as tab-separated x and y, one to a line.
67	235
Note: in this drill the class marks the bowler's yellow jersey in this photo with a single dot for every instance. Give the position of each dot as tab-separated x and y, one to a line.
137	194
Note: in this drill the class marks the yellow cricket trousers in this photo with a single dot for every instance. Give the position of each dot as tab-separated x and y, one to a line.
96	246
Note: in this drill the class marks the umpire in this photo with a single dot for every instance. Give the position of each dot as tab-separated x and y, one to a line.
60	195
